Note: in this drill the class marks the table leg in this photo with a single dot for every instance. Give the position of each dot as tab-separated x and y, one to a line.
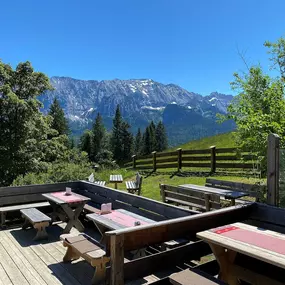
73	218
102	231
233	202
225	258
116	185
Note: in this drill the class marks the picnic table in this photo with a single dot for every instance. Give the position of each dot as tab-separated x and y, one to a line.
227	194
117	178
67	208
115	220
257	243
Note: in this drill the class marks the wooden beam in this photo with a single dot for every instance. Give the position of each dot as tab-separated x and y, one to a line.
142	236
117	260
273	170
148	265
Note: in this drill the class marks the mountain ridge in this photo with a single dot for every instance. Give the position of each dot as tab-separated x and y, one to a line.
140	100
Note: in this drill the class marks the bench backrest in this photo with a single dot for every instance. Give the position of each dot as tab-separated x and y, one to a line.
139	183
143	206
253	190
189	197
16	195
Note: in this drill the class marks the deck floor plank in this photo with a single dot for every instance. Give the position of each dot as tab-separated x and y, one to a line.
57	268
45	272
24	266
4	278
11	268
81	270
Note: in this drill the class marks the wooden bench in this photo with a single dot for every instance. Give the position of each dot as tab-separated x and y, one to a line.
35	218
6	209
189	197
100	183
189	277
133	186
15	198
253	190
85	247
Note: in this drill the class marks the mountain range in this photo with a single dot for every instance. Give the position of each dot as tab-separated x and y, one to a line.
186	115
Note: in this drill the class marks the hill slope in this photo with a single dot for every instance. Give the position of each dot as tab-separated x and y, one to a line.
220	141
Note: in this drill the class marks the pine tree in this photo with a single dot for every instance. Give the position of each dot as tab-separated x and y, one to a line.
116	137
152	136
138	142
98	137
146	146
86	143
161	137
127	142
59	122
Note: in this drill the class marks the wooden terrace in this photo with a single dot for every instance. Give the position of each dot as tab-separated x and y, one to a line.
24	261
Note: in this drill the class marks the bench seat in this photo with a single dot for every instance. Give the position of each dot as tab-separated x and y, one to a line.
135	186
85	247
100	183
5	209
35	218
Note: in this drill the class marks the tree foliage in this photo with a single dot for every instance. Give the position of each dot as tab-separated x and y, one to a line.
259	109
24	130
98	137
59	122
160	137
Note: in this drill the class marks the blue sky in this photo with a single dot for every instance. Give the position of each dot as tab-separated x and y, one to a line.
192	43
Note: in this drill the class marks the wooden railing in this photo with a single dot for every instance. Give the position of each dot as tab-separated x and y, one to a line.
212	158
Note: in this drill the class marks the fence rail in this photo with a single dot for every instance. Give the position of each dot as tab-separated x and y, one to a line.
212	158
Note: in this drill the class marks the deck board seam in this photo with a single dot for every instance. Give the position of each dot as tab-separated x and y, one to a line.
34	273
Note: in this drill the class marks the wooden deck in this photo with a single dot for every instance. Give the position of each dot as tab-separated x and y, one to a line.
24	261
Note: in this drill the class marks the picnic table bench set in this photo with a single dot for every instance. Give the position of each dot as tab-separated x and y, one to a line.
131	186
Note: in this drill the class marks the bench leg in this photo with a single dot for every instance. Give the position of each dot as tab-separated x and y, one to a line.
26	224
70	255
100	274
41	230
3	219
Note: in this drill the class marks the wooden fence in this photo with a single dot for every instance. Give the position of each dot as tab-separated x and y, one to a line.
212	158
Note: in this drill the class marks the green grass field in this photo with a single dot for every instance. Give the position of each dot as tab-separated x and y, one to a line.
223	140
150	185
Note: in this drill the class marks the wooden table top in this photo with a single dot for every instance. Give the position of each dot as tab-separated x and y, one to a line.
118	219
61	198
116	178
265	245
228	194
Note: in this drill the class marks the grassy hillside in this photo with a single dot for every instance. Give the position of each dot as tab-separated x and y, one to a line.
223	140
151	181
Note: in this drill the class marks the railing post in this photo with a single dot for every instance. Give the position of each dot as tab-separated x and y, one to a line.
134	161
213	158
154	160
273	169
179	159
117	259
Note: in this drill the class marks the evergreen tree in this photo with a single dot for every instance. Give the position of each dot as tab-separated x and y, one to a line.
23	127
116	137
138	142
152	136
98	137
127	142
161	137
86	143
146	146
59	122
